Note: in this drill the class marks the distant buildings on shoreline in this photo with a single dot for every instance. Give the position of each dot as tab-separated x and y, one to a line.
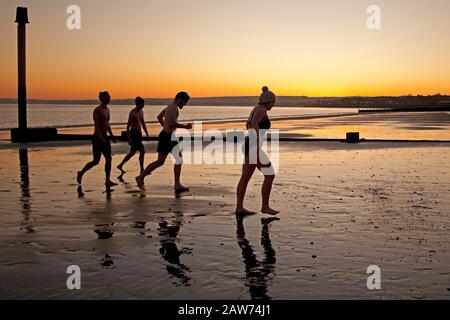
387	103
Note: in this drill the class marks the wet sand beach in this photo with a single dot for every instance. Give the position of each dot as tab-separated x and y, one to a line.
343	207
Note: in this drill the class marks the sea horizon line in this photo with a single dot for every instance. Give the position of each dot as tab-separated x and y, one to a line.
218	100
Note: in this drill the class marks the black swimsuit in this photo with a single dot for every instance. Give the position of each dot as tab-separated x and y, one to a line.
264	124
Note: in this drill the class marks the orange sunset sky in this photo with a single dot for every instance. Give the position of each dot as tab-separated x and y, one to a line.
154	48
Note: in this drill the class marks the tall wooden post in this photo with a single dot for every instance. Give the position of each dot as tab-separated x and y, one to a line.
22	20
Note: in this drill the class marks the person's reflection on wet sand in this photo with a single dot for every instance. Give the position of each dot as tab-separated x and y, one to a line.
108	192
169	251
25	190
257	272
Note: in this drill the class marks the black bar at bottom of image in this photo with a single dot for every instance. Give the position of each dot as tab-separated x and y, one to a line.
207	309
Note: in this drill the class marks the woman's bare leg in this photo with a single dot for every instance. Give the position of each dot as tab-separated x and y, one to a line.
268	171
247	173
265	193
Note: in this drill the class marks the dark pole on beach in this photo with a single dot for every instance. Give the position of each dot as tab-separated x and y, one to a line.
23	134
22	20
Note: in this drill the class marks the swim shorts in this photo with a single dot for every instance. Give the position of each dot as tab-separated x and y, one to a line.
165	143
136	140
99	148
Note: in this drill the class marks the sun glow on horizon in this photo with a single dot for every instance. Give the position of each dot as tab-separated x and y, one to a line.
229	48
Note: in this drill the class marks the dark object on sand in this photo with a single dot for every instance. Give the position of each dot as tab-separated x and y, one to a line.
139	225
107	261
33	134
104	233
352	137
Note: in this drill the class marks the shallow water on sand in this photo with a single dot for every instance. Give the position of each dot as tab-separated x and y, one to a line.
343	208
387	126
61	116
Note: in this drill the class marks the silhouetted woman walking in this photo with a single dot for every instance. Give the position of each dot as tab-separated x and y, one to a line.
257	124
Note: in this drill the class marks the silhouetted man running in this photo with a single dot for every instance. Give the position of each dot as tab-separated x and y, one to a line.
100	140
135	123
168	119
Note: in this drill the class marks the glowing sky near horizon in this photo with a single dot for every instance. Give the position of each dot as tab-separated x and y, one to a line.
155	48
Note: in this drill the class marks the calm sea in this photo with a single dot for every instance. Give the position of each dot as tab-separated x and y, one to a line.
62	116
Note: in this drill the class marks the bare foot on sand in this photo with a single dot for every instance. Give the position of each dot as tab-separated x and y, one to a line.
80	192
181	188
79	177
140	182
244	212
267	221
270	211
121	169
110	184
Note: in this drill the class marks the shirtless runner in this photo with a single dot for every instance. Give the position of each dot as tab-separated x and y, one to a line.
100	140
168	119
135	123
